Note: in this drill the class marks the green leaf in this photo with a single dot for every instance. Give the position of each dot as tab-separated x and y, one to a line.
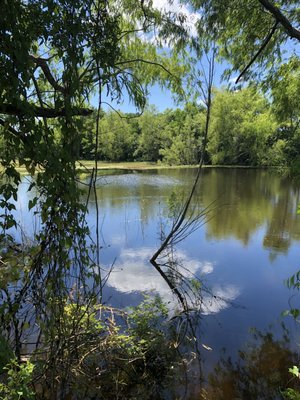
294	371
32	203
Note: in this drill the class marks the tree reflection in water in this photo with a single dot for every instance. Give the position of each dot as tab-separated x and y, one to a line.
261	371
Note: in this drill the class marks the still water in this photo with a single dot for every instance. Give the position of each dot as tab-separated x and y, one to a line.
244	252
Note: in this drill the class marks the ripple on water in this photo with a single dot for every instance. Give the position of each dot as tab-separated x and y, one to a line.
136	179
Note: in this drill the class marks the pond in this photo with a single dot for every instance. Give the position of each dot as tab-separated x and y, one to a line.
247	248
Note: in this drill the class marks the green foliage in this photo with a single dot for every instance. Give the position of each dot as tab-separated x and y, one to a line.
285	91
240	29
184	134
18	384
294	371
246	129
151	137
241	125
292	394
118	141
6	353
294	281
114	354
173	137
50	71
147	318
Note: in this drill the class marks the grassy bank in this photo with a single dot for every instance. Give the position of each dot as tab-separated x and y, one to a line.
86	166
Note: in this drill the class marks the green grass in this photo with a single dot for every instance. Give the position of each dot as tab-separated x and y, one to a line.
86	166
144	165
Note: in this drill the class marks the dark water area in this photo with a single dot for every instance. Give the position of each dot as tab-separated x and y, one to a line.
244	252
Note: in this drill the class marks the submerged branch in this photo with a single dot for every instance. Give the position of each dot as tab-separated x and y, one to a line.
179	229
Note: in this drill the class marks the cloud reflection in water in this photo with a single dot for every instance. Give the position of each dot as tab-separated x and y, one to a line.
134	273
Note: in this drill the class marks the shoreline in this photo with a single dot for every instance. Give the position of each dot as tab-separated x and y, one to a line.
86	166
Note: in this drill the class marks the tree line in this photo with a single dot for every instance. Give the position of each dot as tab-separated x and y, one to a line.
248	127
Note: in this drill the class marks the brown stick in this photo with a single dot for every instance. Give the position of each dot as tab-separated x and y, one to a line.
263	46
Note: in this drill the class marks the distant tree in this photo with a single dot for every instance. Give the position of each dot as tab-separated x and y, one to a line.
240	128
118	140
184	134
285	91
152	135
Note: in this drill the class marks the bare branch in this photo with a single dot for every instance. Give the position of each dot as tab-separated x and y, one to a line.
179	229
262	47
280	18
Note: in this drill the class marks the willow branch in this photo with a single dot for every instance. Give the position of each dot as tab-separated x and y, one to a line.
282	19
141	60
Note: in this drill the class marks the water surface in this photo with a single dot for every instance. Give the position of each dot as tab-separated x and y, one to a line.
244	252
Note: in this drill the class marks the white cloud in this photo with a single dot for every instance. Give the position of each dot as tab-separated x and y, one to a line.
207	268
176	7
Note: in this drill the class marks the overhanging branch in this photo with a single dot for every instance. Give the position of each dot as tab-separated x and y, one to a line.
12	130
141	60
42	63
34	111
262	47
282	19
